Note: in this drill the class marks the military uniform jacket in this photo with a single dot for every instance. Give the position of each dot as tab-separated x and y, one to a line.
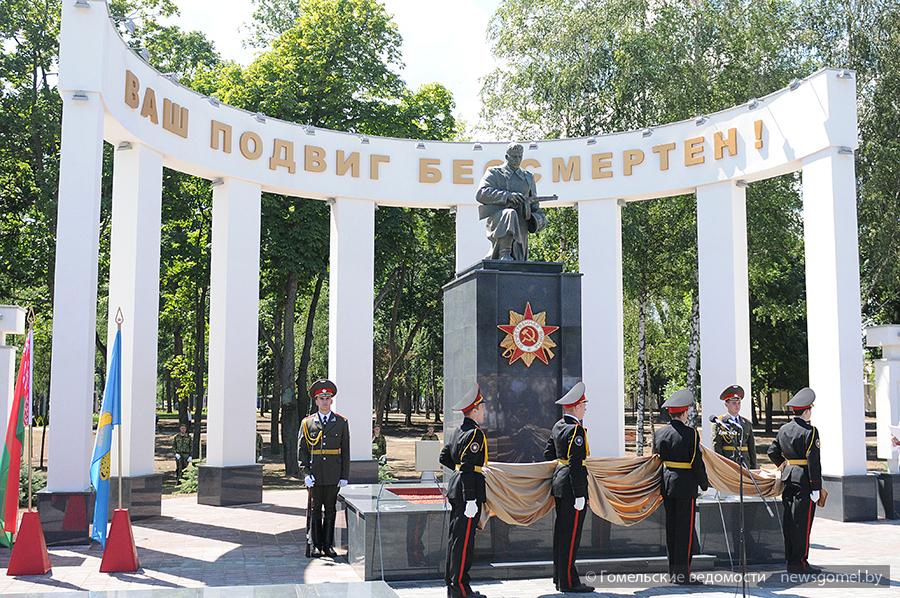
568	445
379	446
678	445
324	451
466	452
797	446
724	437
183	444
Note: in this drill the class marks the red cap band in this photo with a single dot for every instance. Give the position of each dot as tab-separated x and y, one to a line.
475	403
677	409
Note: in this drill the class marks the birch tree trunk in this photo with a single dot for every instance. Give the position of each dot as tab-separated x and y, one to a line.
693	357
642	379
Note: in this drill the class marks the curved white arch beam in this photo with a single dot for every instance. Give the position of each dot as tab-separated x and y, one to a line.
768	137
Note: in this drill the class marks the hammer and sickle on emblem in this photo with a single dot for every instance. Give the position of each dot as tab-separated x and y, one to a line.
529	335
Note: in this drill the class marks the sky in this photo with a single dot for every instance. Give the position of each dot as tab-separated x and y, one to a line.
444	41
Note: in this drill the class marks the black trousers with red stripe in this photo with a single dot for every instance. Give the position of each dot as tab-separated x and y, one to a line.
461	548
799	512
566	540
681	536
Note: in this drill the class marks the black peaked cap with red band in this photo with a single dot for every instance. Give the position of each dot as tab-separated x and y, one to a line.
734	391
323	386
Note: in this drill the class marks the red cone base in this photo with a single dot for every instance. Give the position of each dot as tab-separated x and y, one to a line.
120	554
29	553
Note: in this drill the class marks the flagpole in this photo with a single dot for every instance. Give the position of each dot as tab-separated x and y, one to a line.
119	319
29	337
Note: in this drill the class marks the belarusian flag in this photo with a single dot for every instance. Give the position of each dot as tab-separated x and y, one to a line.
11	462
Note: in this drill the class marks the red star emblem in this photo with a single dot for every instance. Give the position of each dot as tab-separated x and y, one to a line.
527	337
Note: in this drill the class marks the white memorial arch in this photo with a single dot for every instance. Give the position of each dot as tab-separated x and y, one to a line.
110	94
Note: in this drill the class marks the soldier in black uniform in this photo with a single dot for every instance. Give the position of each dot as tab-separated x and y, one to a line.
568	446
678	445
324	456
796	447
732	426
466	453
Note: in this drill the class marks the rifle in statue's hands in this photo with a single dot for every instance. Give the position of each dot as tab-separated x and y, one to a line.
534	201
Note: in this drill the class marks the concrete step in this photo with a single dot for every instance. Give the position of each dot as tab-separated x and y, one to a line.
538	569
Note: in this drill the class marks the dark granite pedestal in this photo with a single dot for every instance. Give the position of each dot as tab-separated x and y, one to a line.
363	472
66	516
409	540
850	498
224	486
141	495
888	496
522	410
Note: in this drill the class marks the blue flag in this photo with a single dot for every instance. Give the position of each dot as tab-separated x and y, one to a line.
110	416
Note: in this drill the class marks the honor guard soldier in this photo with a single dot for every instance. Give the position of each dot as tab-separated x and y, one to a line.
733	430
466	453
678	446
568	445
796	450
324	455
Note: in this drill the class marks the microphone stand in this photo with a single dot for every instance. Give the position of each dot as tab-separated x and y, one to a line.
738	442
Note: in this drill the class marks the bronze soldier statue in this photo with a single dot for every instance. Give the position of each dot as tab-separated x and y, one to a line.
466	453
568	445
796	450
678	445
734	430
324	456
510	207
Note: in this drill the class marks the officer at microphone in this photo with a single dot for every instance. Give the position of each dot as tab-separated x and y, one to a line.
733	433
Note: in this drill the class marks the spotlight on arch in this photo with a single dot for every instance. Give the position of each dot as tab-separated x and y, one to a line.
532	145
420	145
647	132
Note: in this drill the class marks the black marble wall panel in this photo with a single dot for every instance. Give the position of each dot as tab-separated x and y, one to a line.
224	486
66	516
850	498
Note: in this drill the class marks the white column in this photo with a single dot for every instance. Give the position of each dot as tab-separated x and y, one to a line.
833	311
602	345
233	324
134	287
12	321
887	389
75	294
724	297
7	381
471	238
350	317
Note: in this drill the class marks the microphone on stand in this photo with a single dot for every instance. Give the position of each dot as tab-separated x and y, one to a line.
728	423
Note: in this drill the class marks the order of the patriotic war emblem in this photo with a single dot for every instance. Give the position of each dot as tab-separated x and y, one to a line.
527	337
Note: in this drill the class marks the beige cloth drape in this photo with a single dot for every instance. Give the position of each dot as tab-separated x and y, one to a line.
622	490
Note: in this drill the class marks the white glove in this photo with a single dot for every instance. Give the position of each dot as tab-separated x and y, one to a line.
814	496
342	483
190	459
579	503
471	508
310	481
177	456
